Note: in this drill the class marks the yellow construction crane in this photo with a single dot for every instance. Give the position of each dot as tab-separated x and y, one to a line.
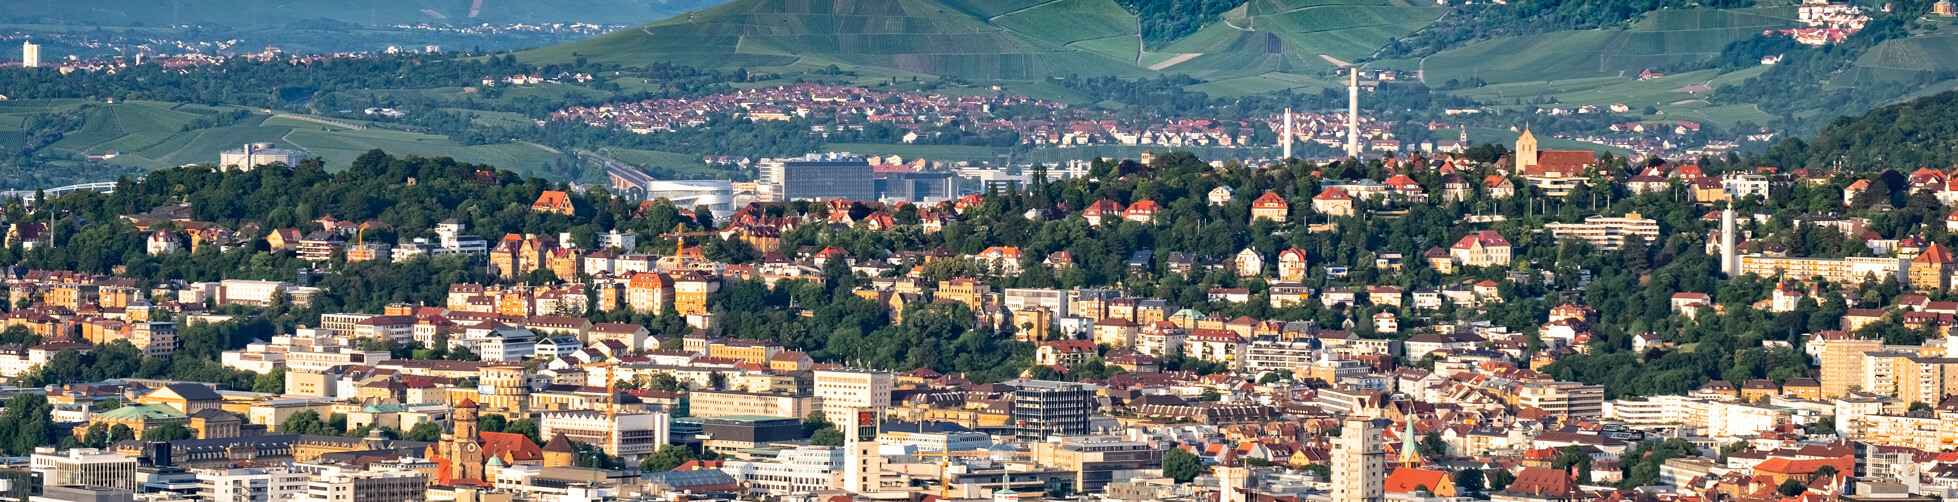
680	233
611	388
945	467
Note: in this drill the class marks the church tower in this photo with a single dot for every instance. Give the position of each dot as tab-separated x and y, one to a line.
1233	478
1526	154
465	447
559	452
1410	454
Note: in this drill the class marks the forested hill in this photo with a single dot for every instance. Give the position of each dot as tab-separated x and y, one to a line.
1164	21
1903	136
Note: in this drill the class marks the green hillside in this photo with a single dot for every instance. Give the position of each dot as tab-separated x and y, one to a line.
376	12
910	36
1019	39
1660	39
155	135
1292	36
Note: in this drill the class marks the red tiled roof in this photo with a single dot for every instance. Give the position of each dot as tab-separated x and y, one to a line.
1404	480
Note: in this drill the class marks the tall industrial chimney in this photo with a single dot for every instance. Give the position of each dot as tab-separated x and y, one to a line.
1353	115
1286	139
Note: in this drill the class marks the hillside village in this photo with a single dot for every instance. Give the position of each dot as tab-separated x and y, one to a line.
1421	327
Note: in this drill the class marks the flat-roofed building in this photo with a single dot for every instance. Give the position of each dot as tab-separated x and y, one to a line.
1850	270
735	403
1608	233
629	435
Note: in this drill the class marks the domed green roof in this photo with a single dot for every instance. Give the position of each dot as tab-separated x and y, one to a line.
141	412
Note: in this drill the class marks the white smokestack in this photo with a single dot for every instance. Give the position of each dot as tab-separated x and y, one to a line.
1353	115
1729	262
1286	139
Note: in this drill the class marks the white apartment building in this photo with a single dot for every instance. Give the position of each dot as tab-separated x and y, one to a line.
805	469
506	345
344	485
86	467
1741	185
1275	355
1849	270
1709	418
702	403
454	241
251	485
629	435
256	293
1054	300
932	437
309	350
1607	233
844	391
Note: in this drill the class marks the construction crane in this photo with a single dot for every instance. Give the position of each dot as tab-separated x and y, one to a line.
680	233
945	467
611	388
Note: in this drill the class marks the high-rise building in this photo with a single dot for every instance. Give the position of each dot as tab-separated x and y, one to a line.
87	467
251	484
924	188
861	458
1360	462
1842	364
30	55
816	177
845	390
1042	409
337	485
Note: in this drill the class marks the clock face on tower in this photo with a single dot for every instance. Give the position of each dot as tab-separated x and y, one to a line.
469	447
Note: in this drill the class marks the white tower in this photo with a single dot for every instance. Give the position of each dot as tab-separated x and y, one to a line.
1729	261
1359	463
1353	115
30	55
860	455
1286	139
